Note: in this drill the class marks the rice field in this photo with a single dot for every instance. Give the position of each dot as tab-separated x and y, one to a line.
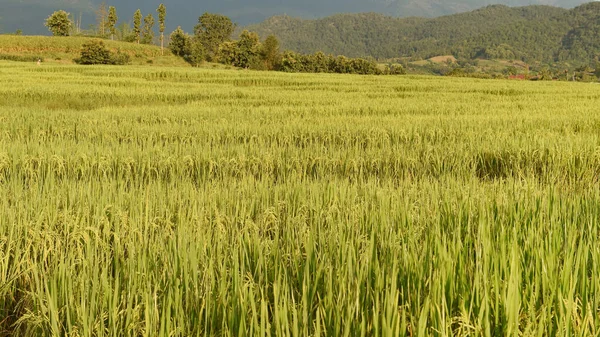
138	201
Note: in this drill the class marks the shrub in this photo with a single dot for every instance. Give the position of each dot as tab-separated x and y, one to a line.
95	52
320	63
120	58
394	69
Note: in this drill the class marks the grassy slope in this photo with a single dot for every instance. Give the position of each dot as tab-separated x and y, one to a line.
65	49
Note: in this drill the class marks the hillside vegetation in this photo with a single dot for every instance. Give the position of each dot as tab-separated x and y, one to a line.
64	49
532	33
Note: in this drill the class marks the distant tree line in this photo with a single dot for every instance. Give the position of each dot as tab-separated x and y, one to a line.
322	63
211	41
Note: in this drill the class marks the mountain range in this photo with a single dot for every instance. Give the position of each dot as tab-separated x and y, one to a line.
28	15
532	34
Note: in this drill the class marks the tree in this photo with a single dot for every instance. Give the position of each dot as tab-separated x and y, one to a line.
212	30
148	32
102	18
137	23
59	23
195	53
269	53
244	53
248	47
112	21
162	14
228	53
186	46
179	42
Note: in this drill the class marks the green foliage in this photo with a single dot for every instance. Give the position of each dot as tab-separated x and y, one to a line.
244	53
187	47
321	63
228	53
212	30
59	23
137	24
148	30
534	33
394	69
112	21
270	54
195	52
162	14
95	52
585	74
120	58
501	52
124	32
511	70
248	47
179	42
582	43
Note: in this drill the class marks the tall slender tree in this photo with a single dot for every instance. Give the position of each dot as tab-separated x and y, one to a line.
162	14
148	32
137	23
269	52
112	21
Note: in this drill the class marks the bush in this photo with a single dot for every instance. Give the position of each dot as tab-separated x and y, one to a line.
394	69
95	52
120	58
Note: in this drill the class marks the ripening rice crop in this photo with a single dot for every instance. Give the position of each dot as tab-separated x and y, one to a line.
140	201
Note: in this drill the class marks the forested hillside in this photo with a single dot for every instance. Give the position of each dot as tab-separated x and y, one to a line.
532	33
28	15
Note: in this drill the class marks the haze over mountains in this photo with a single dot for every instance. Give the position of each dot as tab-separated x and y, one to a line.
28	15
